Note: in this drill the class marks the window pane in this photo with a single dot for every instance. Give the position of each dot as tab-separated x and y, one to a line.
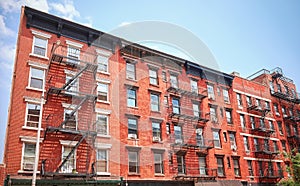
33	114
102	63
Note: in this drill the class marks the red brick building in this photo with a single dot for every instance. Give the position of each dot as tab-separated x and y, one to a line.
113	112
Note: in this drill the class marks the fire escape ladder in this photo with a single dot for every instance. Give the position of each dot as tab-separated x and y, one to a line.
70	153
73	111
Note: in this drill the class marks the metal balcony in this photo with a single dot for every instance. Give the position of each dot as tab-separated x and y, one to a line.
266	150
181	114
200	94
197	174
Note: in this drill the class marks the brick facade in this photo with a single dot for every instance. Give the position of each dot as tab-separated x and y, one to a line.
142	115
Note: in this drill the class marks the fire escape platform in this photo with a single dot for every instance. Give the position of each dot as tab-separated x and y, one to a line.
70	131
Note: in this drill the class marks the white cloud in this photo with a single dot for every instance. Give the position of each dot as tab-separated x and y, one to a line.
125	23
7	56
4	29
10	6
67	9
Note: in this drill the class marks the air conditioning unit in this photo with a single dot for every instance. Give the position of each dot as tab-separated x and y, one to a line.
132	136
178	141
156	138
28	166
199	131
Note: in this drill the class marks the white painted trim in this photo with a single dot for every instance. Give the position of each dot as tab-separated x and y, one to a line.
103	111
104	53
69	106
69	72
254	136
33	100
107	124
30	139
62	153
74	44
68	143
251	95
29	79
37	65
41	34
106	81
103	173
259	159
254	115
46	47
103	145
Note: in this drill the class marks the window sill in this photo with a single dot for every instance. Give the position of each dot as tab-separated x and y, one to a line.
157	112
160	142
154	85
222	176
35	89
103	72
238	177
218	148
103	136
104	102
240	107
133	80
134	174
133	107
30	128
27	172
103	173
159	175
133	139
38	56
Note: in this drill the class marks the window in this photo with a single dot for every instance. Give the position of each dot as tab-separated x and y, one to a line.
158	163
260	169
232	141
295	130
288	129
102	91
40	46
262	123
199	137
226	96
156	131
246	144
213	114
181	164
266	145
154	102
168	128
249	101
267	104
291	113
178	134
131	98
283	144
174	81
279	123
170	154
73	54
196	110
28	156
258	103
72	86
211	92
102	124
294	93
276	109
102	63
202	165
164	76
220	163
166	102
236	166
225	136
71	120
153	77
243	123
239	100
228	162
250	168
276	149
175	105
270	169
36	78
252	122
130	71
271	86
278	88
283	111
271	125
218	91
228	116
133	162
33	114
216	136
256	145
194	86
102	160
70	164
132	128
279	168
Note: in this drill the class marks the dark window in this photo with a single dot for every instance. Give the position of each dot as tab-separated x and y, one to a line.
158	163
133	162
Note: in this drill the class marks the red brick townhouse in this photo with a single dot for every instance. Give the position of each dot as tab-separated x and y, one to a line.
97	109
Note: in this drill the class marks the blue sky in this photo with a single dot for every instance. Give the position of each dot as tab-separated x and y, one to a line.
244	36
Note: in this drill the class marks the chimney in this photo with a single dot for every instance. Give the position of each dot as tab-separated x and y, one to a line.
235	74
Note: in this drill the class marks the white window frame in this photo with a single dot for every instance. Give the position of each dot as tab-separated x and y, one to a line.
23	156
236	167
194	86
104	60
135	135
221	168
217	140
246	144
107	124
202	165
211	92
106	159
226	96
62	158
30	76
26	115
130	73
232	140
182	163
128	97
155	106
160	162
40	35
137	162
196	110
75	46
229	116
66	110
153	76
156	138
100	91
74	86
243	122
239	99
174	80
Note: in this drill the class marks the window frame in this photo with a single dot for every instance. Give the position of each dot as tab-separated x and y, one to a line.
239	99
37	78
159	162
216	138
31	156
132	128
220	165
103	92
106	116
131	97
176	106
73	54
27	114
211	92
103	60
174	80
135	162
40	35
236	167
226	97
67	111
153	76
228	114
250	168
202	165
194	86
70	159
106	151
181	165
156	136
130	73
246	143
154	104
74	86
